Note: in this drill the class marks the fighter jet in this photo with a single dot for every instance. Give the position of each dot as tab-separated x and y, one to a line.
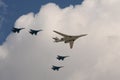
67	38
17	30
34	32
56	67
61	57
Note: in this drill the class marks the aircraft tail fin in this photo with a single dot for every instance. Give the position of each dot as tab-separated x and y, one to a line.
18	31
31	33
56	39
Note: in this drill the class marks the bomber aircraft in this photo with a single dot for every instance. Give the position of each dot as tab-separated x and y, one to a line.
61	57
34	32
17	30
56	67
67	38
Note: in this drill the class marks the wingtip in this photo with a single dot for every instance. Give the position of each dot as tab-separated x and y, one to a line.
62	66
67	56
54	31
40	30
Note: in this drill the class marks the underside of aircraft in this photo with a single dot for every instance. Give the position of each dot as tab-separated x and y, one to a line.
67	38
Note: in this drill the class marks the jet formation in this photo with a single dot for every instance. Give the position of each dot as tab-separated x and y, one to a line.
67	38
32	31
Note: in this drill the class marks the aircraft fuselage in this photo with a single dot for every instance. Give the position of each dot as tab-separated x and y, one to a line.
70	38
67	38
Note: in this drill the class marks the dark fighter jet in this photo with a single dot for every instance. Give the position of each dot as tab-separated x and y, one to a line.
17	30
34	32
61	57
56	67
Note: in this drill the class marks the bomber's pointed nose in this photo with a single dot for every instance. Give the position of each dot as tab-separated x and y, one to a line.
83	35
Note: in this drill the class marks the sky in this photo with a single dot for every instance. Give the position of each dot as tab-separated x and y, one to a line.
93	57
13	9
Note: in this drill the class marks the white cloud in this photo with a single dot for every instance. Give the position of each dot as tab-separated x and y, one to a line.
93	57
3	52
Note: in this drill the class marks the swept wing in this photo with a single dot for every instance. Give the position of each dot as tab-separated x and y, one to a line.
61	34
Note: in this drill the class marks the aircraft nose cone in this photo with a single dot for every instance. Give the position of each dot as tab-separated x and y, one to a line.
85	34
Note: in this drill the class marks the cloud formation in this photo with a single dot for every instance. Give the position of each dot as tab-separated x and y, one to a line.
94	57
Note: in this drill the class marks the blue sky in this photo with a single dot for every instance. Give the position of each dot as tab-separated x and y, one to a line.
27	57
15	8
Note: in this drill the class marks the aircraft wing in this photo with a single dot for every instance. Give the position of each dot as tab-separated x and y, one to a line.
71	44
61	34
